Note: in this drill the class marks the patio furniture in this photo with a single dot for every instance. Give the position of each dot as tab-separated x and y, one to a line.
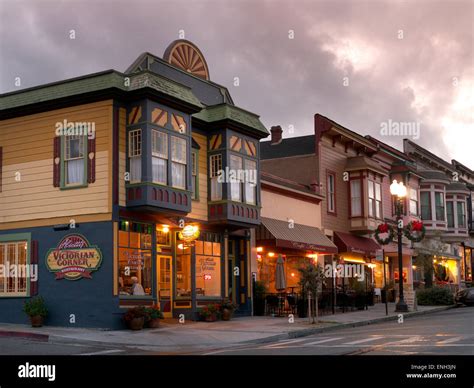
272	303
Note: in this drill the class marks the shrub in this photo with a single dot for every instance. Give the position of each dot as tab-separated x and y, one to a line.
153	312
35	307
434	296
134	312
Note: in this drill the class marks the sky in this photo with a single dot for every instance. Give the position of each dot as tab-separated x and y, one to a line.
372	66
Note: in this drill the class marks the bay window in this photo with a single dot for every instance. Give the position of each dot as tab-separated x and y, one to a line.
215	169
74	160
425	199
235	179
135	155
178	162
461	210
159	154
413	202
356	198
250	181
439	204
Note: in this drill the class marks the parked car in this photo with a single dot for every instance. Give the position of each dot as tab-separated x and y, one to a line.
465	296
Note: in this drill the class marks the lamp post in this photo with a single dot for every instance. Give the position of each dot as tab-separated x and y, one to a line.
399	191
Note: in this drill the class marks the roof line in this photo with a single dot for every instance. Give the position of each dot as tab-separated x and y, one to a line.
426	152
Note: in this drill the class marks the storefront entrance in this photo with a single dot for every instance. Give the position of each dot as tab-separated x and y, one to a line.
165	286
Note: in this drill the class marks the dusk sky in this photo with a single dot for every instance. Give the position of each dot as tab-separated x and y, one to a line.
360	63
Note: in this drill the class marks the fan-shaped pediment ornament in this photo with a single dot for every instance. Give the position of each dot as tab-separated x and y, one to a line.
186	56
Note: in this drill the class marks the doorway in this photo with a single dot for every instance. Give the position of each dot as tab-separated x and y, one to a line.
165	286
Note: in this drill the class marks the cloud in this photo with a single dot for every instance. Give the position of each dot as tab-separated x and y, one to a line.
401	59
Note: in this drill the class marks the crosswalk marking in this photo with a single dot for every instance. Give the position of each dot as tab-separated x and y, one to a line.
322	341
363	340
283	343
448	341
103	352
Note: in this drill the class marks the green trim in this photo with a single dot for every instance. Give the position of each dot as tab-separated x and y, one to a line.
195	152
15	237
62	185
156	185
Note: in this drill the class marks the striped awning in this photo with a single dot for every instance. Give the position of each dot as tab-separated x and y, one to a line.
295	236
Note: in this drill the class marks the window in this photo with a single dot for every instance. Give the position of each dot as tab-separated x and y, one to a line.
135	155
331	192
178	162
250	182
183	271
450	214
439	203
208	269
375	199
74	160
461	209
235	181
159	152
194	174
356	198
14	253
413	202
425	198
135	270
215	168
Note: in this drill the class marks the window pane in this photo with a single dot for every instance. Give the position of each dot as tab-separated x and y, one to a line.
178	149
216	189
159	144
160	167
439	201
135	169
450	214
208	276
413	207
378	192
371	189
356	203
251	182
235	183
371	207
74	171
134	272
461	215
183	273
178	178
414	194
425	205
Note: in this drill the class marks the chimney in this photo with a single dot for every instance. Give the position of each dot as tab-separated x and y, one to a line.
276	135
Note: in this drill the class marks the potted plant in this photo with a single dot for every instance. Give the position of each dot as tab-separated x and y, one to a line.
36	309
210	313
259	291
153	316
227	309
135	318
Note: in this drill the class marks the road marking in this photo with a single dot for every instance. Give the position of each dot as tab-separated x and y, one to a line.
282	343
103	352
322	341
363	340
447	341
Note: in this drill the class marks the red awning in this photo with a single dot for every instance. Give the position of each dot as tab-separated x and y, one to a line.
347	242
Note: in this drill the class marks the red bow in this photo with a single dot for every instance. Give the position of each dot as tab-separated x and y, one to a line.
383	228
417	226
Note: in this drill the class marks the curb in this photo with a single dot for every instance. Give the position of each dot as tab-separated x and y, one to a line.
317	330
277	337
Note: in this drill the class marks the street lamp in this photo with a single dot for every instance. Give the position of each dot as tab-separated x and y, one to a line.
399	191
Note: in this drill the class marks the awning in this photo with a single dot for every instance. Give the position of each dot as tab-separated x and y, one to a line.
280	234
347	242
439	255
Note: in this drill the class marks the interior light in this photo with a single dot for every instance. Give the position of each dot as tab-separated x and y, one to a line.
271	254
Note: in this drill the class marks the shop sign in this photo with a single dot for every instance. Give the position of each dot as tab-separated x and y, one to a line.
189	233
74	258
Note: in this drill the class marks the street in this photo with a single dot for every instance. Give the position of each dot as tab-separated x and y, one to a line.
449	332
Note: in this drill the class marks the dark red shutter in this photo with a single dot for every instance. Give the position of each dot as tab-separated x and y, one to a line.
57	161
34	260
91	160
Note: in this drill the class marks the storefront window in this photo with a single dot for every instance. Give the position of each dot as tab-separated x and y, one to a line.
208	269
135	271
183	270
13	253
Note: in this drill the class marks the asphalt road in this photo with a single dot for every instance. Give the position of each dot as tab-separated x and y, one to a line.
450	332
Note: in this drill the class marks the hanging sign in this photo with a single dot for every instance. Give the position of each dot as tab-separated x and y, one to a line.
74	258
189	233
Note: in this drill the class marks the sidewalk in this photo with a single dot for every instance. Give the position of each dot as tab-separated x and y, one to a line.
175	336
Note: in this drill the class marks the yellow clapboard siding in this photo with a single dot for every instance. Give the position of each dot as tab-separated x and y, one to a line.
121	180
44	199
56	208
55	221
199	208
64	213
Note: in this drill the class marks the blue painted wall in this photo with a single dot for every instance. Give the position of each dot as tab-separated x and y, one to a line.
91	300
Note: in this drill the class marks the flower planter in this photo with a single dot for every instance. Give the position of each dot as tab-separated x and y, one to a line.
154	323
136	323
211	318
226	314
36	321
